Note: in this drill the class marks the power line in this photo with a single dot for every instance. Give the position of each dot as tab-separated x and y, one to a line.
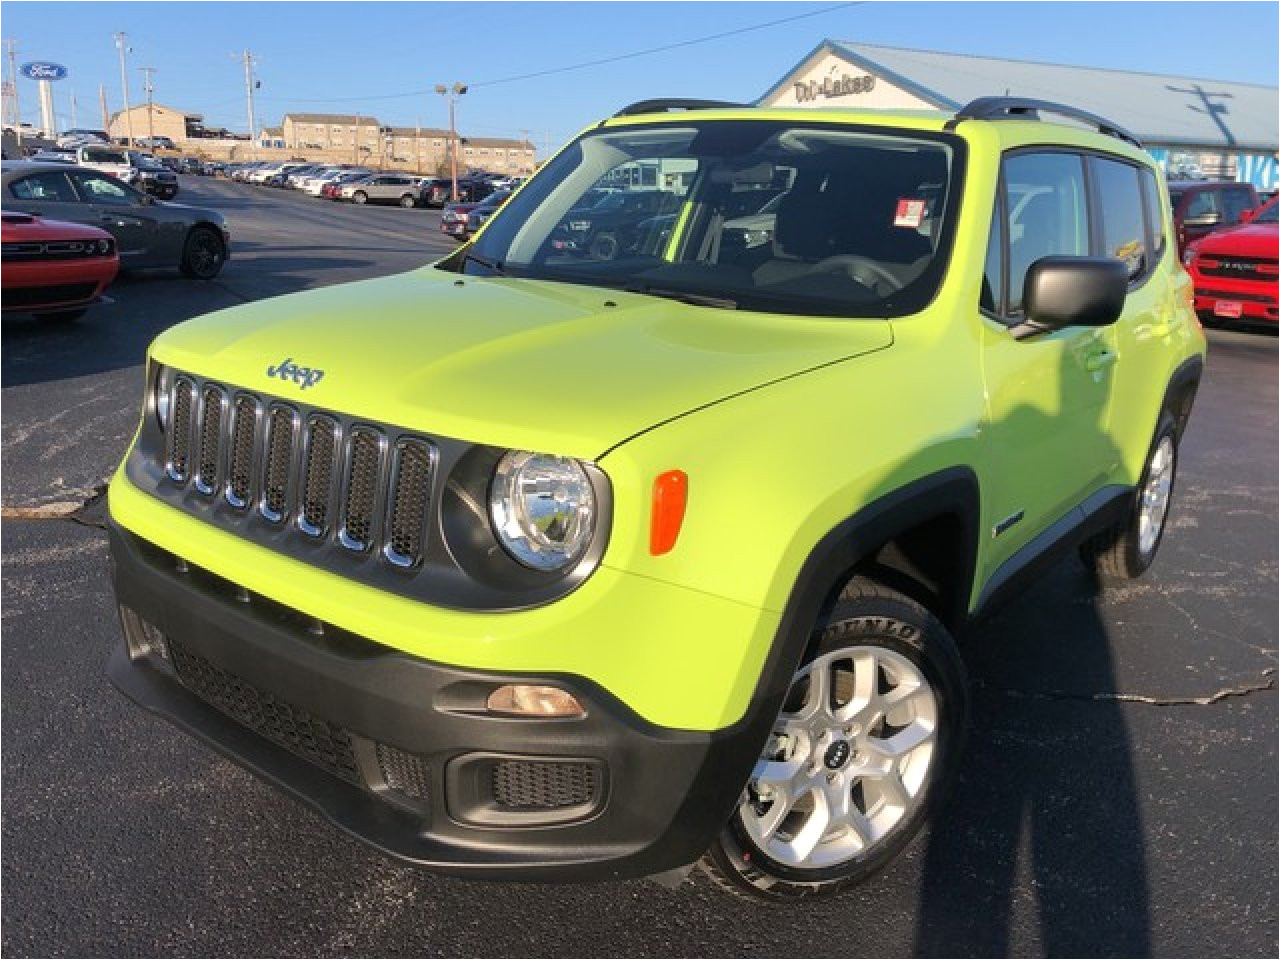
679	44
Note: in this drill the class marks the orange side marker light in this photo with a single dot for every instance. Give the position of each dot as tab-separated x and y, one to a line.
670	495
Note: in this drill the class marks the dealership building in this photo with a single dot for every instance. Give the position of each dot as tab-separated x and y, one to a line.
1194	127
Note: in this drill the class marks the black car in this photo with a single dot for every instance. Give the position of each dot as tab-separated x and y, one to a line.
439	191
153	176
610	226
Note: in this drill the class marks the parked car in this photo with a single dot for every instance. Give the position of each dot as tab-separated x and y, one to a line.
156	143
381	188
330	188
553	567
610	226
439	191
152	176
487	207
148	232
112	160
52	155
54	269
453	219
78	136
1234	270
1203	206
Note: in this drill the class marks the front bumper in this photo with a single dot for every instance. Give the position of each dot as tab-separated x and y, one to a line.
1228	298
400	752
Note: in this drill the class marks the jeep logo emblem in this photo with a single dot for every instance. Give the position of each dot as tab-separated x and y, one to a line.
286	369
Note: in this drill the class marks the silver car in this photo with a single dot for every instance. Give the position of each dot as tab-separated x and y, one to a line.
383	188
148	232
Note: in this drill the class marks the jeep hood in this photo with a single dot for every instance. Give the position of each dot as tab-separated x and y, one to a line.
528	364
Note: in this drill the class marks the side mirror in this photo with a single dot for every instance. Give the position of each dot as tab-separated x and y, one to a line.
1061	292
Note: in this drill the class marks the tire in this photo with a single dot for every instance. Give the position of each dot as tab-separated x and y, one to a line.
605	246
359	197
203	254
890	779
408	201
1127	549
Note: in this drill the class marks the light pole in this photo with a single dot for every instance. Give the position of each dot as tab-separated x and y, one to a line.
149	87
124	85
453	93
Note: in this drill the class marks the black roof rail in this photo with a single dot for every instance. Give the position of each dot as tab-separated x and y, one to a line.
666	105
1022	108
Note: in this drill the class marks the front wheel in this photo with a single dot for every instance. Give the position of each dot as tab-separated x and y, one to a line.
1127	549
860	757
360	197
408	200
203	254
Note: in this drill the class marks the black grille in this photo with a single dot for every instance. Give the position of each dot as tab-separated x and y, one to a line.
544	785
404	772
1242	268
322	435
313	738
362	488
410	496
275	485
54	250
180	429
243	434
210	438
56	293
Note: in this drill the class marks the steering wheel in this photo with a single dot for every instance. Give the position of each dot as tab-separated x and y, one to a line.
853	264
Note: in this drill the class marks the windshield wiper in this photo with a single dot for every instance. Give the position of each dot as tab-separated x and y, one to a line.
484	262
684	296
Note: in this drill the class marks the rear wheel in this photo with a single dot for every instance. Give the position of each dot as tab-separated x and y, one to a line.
1128	548
408	200
604	246
203	254
864	749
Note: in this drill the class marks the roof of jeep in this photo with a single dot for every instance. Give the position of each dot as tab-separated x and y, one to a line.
1000	134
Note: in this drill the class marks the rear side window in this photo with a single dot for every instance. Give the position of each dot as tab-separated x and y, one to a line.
1120	210
1047	213
1155	214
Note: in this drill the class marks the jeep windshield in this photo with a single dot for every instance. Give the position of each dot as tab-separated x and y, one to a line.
785	217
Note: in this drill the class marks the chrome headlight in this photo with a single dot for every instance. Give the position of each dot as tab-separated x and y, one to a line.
163	386
542	509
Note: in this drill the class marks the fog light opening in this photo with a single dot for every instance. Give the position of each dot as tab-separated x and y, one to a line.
531	700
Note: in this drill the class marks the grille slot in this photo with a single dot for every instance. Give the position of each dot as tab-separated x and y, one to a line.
211	418
322	439
244	433
544	785
404	772
410	496
179	459
364	463
282	424
313	738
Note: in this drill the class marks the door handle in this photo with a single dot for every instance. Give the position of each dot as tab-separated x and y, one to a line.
1099	361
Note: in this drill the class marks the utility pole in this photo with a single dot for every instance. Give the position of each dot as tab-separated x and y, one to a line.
102	102
151	120
13	79
72	92
249	85
453	93
417	137
355	145
124	84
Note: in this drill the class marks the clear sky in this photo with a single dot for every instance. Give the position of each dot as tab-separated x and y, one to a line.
371	57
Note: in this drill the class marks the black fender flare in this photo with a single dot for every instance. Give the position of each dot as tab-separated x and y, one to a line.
1180	392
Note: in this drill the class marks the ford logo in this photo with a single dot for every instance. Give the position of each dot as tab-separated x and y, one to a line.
39	70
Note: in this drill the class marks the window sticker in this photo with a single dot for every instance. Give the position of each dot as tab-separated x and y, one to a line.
910	213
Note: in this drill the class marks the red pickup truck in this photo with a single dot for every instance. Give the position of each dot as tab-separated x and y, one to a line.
1234	270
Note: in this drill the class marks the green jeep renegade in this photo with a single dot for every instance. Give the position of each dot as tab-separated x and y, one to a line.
580	558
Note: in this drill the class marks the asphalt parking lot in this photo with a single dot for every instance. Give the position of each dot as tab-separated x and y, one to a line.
1119	796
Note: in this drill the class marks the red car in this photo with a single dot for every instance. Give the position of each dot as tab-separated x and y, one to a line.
52	268
1234	270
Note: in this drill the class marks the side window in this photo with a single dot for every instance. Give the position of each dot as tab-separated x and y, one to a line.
52	187
99	189
1047	213
993	274
1236	202
1120	209
1155	213
1203	203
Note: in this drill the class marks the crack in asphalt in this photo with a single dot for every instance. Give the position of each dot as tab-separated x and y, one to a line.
89	512
1266	681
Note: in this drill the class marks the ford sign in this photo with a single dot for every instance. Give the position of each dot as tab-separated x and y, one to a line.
39	70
